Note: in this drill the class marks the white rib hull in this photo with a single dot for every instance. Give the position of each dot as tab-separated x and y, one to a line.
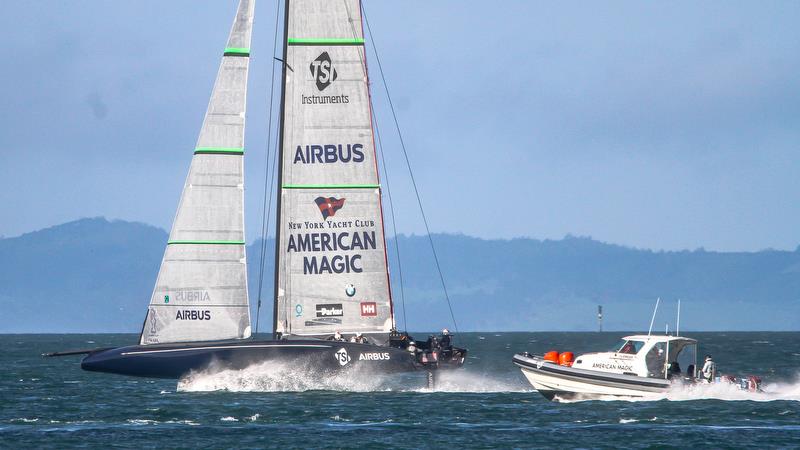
554	381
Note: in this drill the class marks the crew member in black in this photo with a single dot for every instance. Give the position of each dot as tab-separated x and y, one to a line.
445	341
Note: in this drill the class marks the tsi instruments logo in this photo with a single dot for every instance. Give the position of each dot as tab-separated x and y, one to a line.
323	71
342	357
324	74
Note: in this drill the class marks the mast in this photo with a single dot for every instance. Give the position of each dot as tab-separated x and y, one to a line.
280	170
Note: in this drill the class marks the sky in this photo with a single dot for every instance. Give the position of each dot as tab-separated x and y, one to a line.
662	125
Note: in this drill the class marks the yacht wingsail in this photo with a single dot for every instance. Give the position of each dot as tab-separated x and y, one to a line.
201	289
332	270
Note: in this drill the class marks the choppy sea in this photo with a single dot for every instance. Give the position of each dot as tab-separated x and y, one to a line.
52	403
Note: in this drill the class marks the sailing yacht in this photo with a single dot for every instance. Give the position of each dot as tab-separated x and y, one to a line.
331	271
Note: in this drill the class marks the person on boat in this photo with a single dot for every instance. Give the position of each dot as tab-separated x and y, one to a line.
674	369
337	337
628	348
709	369
446	337
358	338
433	343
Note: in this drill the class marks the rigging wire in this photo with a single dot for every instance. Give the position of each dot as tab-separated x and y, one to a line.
408	165
391	214
266	168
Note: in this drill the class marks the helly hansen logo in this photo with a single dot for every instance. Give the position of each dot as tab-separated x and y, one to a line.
322	71
369	309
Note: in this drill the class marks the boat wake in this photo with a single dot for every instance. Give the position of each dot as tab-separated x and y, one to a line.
275	377
719	391
467	380
723	391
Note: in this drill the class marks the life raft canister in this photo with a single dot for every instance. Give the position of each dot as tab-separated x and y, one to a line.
566	359
551	356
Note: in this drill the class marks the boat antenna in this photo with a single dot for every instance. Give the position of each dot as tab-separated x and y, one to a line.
649	330
678	323
408	165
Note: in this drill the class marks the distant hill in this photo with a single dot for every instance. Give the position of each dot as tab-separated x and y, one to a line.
94	275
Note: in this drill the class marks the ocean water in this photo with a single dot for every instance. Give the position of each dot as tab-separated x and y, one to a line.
52	403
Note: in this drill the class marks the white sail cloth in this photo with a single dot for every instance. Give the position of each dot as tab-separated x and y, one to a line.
332	272
201	289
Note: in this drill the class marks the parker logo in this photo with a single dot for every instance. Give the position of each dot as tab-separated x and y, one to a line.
330	310
369	309
323	71
342	357
329	205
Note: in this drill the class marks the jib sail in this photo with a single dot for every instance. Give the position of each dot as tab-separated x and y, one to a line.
331	271
201	289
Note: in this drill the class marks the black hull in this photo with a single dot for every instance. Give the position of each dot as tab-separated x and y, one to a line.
177	360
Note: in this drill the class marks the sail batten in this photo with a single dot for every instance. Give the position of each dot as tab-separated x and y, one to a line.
331	266
201	289
325	41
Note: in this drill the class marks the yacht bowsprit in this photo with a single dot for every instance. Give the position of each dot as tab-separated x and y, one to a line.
331	271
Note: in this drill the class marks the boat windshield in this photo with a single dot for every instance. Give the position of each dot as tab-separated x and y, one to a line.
626	346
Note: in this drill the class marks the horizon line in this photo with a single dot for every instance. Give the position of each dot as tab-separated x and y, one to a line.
567	236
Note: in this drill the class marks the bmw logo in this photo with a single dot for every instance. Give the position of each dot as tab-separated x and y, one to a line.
350	290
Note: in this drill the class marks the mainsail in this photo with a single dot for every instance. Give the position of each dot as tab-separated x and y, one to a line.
201	289
331	259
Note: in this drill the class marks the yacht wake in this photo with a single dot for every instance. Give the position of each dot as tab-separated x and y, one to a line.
277	377
466	380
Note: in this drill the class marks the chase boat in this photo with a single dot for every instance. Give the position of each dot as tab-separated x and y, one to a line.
637	366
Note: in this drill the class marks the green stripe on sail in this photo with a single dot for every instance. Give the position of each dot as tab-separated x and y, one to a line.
330	186
208	242
236	51
219	150
325	41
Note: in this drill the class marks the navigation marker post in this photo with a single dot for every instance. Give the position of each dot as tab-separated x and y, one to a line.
600	318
